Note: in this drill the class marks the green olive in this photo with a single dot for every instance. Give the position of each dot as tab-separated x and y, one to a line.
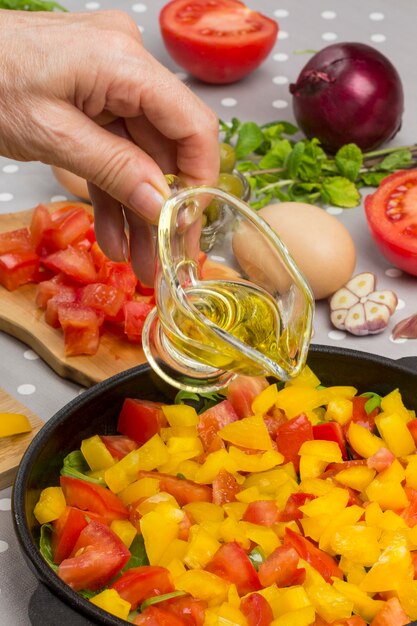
227	157
212	212
232	184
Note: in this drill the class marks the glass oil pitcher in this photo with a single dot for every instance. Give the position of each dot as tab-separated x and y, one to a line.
242	307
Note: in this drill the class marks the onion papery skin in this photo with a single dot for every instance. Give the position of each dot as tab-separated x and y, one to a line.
349	93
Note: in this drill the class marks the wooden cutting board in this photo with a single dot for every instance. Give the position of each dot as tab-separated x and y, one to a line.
20	317
13	448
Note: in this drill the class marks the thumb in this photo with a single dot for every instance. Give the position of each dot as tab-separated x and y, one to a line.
112	162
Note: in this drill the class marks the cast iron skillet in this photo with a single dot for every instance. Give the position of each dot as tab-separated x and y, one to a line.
95	412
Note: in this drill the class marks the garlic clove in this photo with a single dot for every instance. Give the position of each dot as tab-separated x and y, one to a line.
343	299
355	320
377	317
362	284
338	318
389	298
406	328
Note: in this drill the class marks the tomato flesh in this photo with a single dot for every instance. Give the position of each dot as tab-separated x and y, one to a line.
218	41
139	583
92	497
320	560
256	610
140	419
391	212
233	564
18	268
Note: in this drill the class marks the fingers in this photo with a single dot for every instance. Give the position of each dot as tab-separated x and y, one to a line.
109	224
142	238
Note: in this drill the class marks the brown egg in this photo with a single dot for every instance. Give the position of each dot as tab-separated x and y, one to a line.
320	245
72	183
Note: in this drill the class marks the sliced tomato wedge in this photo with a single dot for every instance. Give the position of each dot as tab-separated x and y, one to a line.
139	583
66	530
325	564
225	488
119	445
291	435
292	507
183	490
214	419
263	512
242	391
391	614
256	610
233	564
391	212
91	497
280	568
75	263
218	41
96	558
140	419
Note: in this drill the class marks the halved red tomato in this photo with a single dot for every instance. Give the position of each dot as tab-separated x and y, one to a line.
218	41
233	564
139	583
391	212
140	419
96	558
91	497
256	610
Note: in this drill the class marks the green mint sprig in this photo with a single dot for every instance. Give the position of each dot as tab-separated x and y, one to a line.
280	167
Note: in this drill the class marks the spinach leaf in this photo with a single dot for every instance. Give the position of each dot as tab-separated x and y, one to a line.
75	466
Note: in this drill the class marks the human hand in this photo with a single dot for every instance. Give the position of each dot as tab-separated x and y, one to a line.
79	91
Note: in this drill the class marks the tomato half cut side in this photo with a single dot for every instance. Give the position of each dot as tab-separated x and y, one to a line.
218	41
391	212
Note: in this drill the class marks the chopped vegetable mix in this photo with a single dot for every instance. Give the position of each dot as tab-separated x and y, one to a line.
292	505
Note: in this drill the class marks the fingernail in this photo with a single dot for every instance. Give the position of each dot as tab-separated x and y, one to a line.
147	201
125	248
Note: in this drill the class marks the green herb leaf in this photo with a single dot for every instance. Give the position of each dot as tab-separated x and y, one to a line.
31	5
374	401
231	129
371	179
277	155
294	159
45	545
138	554
349	161
249	139
75	466
257	557
201	402
396	160
340	191
161	598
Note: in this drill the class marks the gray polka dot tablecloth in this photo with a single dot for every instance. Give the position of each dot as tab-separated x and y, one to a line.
263	96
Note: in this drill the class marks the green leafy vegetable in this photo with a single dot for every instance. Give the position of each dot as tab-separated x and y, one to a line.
374	401
201	402
256	557
161	598
31	5
45	546
75	466
138	556
280	167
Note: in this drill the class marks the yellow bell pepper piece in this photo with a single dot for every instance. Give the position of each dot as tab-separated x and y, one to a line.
392	569
338	391
125	530
296	400
249	432
50	506
202	546
13	424
176	568
204	511
251	494
394	472
204	585
173	553
265	400
354	573
269	482
364	442
110	601
255	462
231	530
158	531
235	510
299	617
339	410
393	429
363	605
306	378
293	598
229	614
329	603
263	536
192	445
188	469
272	595
153	502
393	403
314	527
180	415
357	543
388	494
233	597
331	503
407	596
142	488
315	486
357	477
311	466
214	462
328	451
96	454
411	473
348	516
313	577
177	431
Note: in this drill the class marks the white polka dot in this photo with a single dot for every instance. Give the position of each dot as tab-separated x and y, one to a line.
228	102
329	36
139	8
59	198
26	389
10	169
141	28
92	6
281	13
280	56
398	340
393	272
337	335
400	305
328	15
282	34
6	197
5	504
378	38
334	210
376	16
181	75
3	546
280	104
30	355
280	80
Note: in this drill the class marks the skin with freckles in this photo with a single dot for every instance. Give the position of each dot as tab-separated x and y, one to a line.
80	91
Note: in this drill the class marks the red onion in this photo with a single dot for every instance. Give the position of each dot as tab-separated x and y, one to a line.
348	93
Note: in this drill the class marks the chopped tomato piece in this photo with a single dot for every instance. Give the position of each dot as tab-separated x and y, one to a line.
139	583
256	610
381	460
225	488
273	420
412	427
214	419
66	530
74	263
292	435
98	256
91	497
41	220
104	298
280	568
409	514
331	431
359	414
158	616
66	228
325	564
140	419
391	614
242	391
233	564
96	558
12	240
120	275
81	326
65	294
183	490
18	268
135	314
119	445
191	610
292	506
263	512
145	290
